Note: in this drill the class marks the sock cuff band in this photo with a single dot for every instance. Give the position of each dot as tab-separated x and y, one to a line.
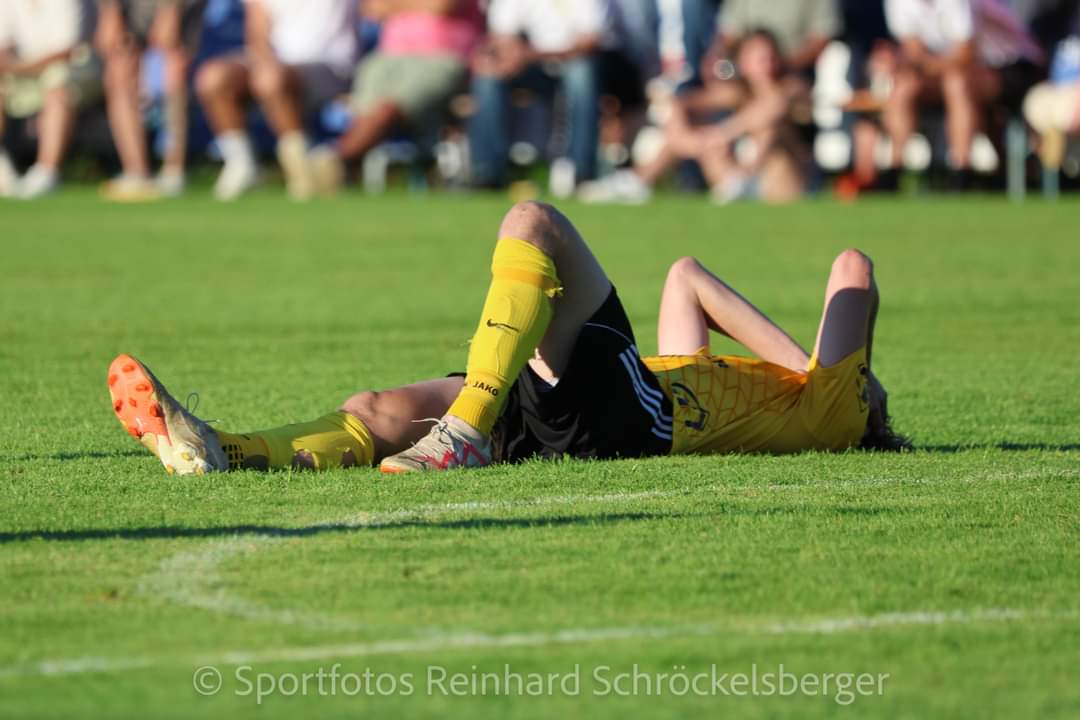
522	261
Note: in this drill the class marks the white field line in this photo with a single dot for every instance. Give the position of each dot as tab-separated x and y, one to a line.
193	579
471	641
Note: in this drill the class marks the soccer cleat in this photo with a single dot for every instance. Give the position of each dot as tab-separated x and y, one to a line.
622	186
185	444
450	444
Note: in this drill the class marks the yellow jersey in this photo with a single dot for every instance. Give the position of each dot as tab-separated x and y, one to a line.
734	404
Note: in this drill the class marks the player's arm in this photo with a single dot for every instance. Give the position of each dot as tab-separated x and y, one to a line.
695	301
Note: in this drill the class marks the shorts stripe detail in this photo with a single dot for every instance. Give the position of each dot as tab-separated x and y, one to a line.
635	367
611	329
649	403
661	423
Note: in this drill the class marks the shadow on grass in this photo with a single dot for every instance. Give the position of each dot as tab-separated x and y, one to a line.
1006	446
270	531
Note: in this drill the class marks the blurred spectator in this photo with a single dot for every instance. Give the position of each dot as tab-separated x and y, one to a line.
299	56
1053	108
699	30
125	29
46	69
802	28
771	166
967	54
539	45
420	63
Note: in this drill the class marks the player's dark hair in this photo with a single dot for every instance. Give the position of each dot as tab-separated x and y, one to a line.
880	435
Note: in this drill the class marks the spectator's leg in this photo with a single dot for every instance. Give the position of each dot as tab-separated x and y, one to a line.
279	89
582	87
177	63
125	118
223	86
961	115
900	114
54	127
489	131
8	177
699	28
368	130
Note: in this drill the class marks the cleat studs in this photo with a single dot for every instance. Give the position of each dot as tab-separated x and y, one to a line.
188	457
118	405
170	469
131	402
142	387
129	368
155	411
199	471
112	379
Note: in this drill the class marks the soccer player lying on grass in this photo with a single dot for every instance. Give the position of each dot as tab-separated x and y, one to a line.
553	370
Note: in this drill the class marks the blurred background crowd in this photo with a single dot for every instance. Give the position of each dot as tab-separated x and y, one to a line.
603	99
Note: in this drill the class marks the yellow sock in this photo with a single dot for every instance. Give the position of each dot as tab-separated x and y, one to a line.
335	440
515	317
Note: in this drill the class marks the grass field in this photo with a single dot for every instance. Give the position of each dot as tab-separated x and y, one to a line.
954	569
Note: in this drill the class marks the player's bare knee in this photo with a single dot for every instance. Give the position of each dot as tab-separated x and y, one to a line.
534	222
853	268
364	406
683	269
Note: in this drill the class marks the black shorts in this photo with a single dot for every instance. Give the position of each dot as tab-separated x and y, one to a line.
607	404
139	16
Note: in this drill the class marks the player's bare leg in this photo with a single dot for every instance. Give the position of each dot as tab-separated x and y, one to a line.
546	284
396	417
847	325
696	301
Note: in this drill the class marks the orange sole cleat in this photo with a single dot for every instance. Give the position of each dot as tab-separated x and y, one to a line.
182	442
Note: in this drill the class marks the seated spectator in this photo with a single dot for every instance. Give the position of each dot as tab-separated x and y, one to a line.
125	29
760	101
802	28
1052	108
46	69
537	44
420	63
967	54
299	57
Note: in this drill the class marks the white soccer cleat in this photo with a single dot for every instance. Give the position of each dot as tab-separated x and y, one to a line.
451	444
185	444
622	186
130	188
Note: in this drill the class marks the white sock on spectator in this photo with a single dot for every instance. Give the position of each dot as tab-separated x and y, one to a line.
235	147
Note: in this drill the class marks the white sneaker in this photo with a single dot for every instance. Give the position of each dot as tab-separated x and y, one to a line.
9	178
38	182
171	182
292	154
236	178
735	188
327	169
622	186
451	444
563	178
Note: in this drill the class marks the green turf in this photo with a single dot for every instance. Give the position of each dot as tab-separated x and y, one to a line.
275	312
